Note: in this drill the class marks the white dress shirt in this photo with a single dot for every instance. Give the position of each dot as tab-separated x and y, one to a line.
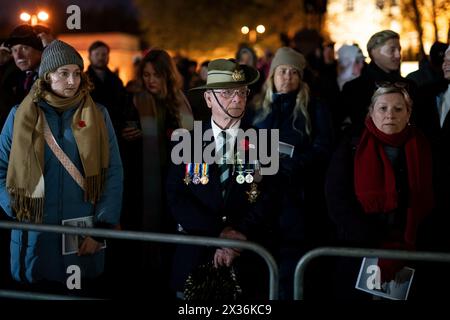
444	106
219	141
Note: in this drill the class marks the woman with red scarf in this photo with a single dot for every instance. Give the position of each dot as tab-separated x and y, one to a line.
379	185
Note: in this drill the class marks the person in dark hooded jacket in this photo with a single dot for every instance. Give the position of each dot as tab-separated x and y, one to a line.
305	134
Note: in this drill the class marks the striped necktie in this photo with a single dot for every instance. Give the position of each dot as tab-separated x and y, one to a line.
224	168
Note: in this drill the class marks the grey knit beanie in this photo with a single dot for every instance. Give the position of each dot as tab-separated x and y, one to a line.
58	54
289	56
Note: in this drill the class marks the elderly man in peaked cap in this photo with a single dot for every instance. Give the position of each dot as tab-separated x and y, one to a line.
219	199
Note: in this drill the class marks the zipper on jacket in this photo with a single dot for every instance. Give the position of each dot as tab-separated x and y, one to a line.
22	255
61	169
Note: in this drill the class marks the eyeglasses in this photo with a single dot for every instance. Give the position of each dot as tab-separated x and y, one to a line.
388	84
230	93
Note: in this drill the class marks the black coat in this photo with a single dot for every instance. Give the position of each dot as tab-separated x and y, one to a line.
12	90
354	226
201	210
111	93
428	120
300	178
358	229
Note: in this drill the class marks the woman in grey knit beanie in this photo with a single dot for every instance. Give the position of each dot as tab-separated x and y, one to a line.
285	77
59	54
62	166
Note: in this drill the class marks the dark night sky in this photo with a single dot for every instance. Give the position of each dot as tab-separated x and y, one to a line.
9	9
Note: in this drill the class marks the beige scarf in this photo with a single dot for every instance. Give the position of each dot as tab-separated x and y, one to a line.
25	180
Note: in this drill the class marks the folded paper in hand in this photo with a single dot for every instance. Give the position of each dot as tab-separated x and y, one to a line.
369	280
71	242
286	149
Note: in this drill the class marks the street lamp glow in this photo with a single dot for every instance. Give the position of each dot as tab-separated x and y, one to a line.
260	29
34	18
25	16
245	30
43	16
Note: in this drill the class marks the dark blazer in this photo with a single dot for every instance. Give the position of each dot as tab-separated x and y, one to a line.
111	93
12	90
428	120
356	228
201	210
300	178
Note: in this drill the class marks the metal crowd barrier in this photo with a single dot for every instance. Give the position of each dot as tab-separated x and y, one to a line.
151	237
358	253
11	294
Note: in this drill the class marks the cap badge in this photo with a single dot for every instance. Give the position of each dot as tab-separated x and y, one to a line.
238	75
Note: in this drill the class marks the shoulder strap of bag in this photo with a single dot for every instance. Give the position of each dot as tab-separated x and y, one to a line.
61	156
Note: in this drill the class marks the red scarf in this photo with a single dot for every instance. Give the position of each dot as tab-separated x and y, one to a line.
375	179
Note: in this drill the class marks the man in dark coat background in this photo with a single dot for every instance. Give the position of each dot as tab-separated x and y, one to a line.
433	119
385	52
26	49
108	88
16	81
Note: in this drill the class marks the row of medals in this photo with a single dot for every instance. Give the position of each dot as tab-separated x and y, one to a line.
196	179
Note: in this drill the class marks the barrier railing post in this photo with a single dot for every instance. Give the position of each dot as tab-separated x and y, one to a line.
299	274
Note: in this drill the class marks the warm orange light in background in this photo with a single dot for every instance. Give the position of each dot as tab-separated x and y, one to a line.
124	48
357	24
42	15
252	34
260	29
34	19
25	17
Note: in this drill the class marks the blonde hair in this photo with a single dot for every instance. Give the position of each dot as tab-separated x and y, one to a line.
391	88
301	104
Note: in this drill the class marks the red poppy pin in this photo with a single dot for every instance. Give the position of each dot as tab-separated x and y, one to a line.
81	124
245	144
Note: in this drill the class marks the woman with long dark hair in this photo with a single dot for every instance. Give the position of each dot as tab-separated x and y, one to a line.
152	115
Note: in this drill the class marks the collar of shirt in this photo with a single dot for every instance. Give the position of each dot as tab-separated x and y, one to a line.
233	131
32	73
444	103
